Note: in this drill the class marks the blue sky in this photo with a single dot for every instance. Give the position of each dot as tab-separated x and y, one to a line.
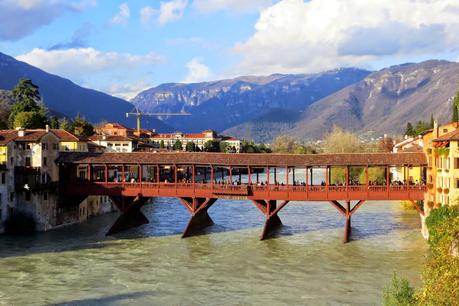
123	47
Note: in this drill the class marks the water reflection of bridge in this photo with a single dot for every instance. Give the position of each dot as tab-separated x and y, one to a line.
270	181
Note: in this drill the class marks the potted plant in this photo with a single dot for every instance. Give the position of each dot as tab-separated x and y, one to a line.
430	204
439	189
446	190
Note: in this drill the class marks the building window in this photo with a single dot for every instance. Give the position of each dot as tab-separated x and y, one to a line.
45	161
28	195
44	146
27	161
45	196
12	161
456	163
55	146
3	178
445	130
11	196
457	183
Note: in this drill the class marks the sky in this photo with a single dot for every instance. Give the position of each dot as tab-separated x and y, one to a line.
124	47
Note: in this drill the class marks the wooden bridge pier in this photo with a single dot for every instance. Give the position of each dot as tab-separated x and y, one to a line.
270	210
200	218
131	216
347	212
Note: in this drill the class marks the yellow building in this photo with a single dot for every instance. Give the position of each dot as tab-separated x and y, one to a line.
69	142
441	148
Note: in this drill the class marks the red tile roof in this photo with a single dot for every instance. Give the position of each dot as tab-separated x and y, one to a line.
454	135
261	160
6	136
31	135
63	135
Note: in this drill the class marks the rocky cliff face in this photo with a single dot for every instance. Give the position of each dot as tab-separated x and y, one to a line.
227	103
385	101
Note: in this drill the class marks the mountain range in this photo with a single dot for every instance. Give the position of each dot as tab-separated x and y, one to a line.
308	106
305	106
223	104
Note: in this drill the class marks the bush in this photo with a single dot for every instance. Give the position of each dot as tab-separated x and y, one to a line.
399	293
20	223
437	219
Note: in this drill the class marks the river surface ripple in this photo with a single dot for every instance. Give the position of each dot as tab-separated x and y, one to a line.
305	264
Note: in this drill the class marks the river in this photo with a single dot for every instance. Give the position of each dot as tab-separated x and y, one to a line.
306	264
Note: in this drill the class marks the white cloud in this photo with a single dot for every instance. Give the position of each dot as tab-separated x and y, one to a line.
92	68
20	18
197	71
299	36
125	91
123	15
171	10
146	14
207	6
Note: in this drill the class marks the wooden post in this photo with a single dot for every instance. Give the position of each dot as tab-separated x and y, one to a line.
106	174
326	178
212	175
387	178
286	176
249	180
122	174
157	174
89	172
230	175
347	179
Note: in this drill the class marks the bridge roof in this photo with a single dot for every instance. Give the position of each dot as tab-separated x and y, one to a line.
242	159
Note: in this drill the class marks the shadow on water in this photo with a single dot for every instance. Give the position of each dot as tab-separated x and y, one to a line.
108	300
168	218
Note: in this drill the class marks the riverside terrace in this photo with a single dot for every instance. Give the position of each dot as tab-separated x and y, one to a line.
199	179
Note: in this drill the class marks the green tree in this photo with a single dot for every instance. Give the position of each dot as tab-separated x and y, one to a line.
65	124
224	147
27	96
341	141
161	144
399	293
54	122
29	120
177	146
283	144
409	131
455	117
190	146
432	120
212	146
82	127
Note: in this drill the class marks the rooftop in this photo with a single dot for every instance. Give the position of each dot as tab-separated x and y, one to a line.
262	160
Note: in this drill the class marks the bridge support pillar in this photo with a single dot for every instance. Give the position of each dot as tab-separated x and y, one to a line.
131	216
200	219
270	210
347	212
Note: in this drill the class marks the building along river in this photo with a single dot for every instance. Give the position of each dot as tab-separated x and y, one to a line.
306	264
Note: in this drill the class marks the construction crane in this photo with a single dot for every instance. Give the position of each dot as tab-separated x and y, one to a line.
138	114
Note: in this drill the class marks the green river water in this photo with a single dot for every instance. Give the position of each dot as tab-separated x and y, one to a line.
305	264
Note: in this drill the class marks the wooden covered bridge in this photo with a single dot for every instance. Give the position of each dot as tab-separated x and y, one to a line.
270	181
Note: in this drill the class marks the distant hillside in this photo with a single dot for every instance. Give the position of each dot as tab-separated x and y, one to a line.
221	105
63	96
385	101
